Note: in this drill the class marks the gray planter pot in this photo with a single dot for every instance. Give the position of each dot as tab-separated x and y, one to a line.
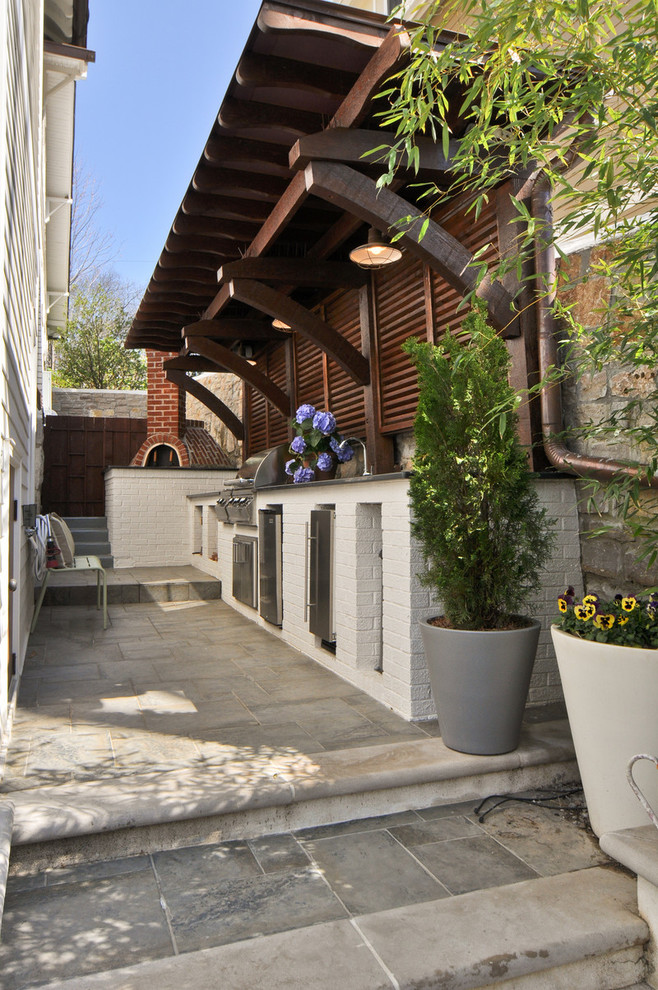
480	684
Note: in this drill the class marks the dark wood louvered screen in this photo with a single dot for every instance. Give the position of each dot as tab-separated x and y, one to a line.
309	372
343	397
473	234
408	300
399	313
277	423
256	419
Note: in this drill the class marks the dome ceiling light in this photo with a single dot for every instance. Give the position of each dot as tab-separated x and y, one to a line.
376	253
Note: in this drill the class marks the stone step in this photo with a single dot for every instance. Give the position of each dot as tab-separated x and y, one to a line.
85	821
76	523
96	548
134	585
90	535
576	930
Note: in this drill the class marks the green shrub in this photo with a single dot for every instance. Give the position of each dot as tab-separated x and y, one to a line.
477	517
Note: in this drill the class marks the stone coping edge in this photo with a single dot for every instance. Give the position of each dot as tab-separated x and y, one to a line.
636	849
485	938
92	806
6	828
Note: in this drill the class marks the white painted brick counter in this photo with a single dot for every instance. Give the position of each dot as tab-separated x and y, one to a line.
148	517
378	598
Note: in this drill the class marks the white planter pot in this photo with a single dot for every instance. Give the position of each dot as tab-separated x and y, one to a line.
611	694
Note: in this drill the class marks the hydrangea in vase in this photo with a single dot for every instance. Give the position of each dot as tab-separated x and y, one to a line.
316	447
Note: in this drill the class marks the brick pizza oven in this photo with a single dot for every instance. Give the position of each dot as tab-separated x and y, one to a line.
172	440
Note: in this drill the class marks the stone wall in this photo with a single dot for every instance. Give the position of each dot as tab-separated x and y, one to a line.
99	402
609	560
228	388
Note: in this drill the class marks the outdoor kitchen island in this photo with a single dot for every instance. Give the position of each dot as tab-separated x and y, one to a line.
348	587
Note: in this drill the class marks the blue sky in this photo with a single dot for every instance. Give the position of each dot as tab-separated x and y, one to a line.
146	108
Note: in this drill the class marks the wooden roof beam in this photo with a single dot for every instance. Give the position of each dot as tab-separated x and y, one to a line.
232	207
172	308
384	210
295	271
234	329
189	244
275	19
187	259
180	289
228	361
227	181
306	323
351	111
270	71
233	230
189	362
174	275
222	150
208	399
240	116
346	144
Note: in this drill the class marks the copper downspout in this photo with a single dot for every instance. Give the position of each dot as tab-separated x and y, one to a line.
601	468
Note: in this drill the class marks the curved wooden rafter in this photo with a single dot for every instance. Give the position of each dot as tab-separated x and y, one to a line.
207	399
385	210
228	361
306	323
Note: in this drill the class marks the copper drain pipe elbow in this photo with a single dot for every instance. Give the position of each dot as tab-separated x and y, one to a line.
584	465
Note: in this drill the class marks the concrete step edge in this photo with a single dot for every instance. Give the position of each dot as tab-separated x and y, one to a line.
61	592
540	933
85	522
6	828
419	771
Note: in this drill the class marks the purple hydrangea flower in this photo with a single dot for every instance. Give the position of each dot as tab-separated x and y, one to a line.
298	445
325	462
325	422
345	453
303	474
305	411
289	467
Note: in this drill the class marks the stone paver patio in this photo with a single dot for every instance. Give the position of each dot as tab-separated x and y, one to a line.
188	684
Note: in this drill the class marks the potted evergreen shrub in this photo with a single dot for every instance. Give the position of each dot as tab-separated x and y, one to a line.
483	535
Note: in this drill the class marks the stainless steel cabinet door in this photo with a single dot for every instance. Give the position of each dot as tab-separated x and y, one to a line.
321	575
270	565
245	551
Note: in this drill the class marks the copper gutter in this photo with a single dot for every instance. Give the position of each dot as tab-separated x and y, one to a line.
584	465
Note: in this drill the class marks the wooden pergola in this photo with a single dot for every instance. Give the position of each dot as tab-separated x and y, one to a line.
285	188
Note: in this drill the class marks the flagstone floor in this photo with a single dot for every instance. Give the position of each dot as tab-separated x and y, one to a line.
183	684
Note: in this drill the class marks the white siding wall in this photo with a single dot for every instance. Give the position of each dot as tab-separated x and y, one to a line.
22	313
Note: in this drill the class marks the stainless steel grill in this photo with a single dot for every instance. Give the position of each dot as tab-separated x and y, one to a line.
236	500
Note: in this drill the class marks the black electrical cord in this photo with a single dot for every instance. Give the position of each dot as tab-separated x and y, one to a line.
540	799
